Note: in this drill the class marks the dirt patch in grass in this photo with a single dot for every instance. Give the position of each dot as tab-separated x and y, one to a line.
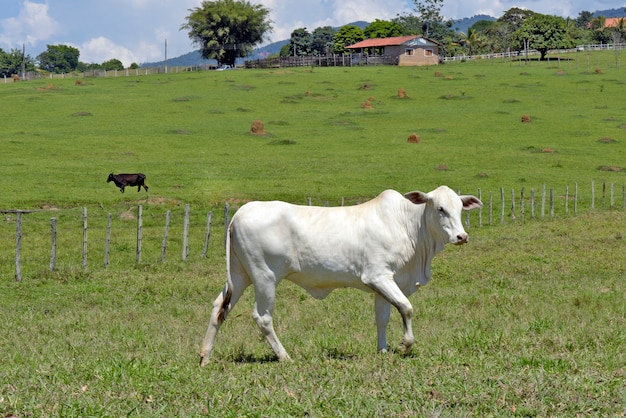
611	168
181	132
257	128
413	139
442	167
606	140
282	142
82	114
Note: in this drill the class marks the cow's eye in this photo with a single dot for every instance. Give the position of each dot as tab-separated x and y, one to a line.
441	210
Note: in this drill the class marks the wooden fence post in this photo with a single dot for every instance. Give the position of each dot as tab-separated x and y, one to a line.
593	195
532	203
551	202
85	238
575	198
186	233
207	234
512	204
543	200
490	208
502	205
164	243
18	246
480	210
107	242
139	233
566	200
53	254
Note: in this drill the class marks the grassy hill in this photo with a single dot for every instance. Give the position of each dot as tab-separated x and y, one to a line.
527	319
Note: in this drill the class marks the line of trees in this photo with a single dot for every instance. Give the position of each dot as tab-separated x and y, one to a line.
56	59
515	30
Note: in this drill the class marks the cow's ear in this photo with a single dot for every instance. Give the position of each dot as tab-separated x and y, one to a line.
471	202
417	197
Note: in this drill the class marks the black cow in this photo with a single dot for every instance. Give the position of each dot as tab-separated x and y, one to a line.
123	180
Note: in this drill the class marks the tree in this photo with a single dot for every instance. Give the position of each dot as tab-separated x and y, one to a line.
59	59
11	63
346	35
472	41
382	29
322	40
409	24
515	17
112	64
543	32
227	29
429	11
300	42
584	19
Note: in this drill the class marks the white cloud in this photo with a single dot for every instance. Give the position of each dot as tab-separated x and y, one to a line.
32	25
98	50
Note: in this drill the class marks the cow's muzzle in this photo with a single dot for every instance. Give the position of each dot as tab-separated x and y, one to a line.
461	239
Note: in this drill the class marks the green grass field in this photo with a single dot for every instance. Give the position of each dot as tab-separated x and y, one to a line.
528	319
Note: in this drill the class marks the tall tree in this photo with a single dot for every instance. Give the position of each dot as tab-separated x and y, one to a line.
544	32
322	40
59	59
346	35
382	29
429	10
515	17
227	29
11	62
300	42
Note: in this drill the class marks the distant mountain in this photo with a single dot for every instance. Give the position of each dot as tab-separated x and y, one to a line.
462	25
620	12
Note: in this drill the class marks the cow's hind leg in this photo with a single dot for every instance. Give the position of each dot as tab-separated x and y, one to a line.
222	305
265	295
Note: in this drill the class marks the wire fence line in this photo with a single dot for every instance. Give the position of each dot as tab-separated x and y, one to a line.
500	207
331	60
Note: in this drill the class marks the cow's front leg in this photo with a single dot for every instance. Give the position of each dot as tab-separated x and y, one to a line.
122	189
387	288
383	312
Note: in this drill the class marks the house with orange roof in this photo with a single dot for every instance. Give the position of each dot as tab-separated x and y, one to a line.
408	50
612	22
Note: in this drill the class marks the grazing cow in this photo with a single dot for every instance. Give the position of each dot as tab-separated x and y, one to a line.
384	246
123	180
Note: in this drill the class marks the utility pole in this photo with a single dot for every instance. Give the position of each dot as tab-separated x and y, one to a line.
166	56
23	61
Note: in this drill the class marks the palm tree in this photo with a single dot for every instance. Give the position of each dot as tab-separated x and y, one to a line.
472	40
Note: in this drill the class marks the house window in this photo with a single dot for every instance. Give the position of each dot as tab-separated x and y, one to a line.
409	52
428	52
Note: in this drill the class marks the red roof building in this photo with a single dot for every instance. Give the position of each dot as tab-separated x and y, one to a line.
409	50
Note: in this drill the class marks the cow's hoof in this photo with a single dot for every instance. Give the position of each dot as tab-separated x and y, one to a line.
203	361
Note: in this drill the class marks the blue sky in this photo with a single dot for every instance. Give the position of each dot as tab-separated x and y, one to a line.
136	30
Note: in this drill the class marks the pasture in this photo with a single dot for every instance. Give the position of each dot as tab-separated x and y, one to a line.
528	319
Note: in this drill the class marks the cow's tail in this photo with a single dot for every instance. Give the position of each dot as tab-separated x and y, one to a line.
228	288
